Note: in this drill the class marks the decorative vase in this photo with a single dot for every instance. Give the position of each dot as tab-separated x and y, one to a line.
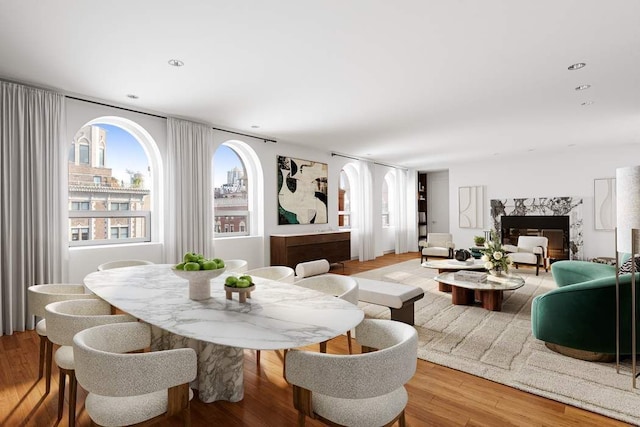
497	272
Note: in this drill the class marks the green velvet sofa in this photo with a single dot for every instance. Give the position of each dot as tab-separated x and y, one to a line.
581	313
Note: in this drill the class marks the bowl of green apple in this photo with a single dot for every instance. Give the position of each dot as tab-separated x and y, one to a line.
242	285
199	271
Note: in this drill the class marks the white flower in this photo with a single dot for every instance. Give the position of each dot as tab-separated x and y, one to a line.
509	262
497	255
486	245
484	258
488	265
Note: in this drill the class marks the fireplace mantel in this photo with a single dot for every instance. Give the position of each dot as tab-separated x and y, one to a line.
545	206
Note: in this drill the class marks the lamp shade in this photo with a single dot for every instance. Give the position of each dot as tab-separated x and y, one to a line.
627	205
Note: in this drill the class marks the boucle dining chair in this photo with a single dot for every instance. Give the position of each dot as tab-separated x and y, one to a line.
343	287
38	296
123	263
64	320
359	390
126	389
236	265
279	273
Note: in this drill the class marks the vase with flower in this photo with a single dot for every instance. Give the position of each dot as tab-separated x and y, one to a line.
494	257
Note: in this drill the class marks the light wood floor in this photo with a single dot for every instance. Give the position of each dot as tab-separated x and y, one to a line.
438	396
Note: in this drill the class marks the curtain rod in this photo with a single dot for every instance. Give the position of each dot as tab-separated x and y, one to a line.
164	117
367	160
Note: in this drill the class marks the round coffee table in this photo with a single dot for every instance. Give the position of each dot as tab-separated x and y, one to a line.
448	265
489	293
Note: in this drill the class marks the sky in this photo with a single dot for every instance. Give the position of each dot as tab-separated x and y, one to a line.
124	152
224	160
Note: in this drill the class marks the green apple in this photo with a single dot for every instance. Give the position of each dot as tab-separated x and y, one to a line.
231	281
243	283
208	265
247	278
219	262
192	266
190	257
180	266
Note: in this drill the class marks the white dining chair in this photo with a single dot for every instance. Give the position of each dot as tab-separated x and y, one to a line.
64	320
343	287
278	273
38	296
132	389
123	263
358	390
236	265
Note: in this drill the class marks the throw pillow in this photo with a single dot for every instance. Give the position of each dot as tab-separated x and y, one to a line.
625	268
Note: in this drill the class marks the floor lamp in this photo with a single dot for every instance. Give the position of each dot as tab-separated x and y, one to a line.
627	241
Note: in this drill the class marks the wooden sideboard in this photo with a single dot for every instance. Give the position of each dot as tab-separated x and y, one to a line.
291	249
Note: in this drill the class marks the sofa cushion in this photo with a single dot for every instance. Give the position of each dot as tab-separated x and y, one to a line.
312	268
625	267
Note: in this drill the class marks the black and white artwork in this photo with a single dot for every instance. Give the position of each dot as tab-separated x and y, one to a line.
302	191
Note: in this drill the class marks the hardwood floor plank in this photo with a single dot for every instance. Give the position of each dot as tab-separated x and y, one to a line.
438	396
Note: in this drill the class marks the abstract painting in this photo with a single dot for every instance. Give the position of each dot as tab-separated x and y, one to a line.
604	203
302	191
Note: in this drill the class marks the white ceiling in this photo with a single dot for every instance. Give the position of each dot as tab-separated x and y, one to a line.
419	83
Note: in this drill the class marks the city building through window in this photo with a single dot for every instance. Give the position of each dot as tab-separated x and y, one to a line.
344	201
109	187
230	193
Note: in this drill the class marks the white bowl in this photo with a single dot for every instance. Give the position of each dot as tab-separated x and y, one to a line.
199	281
198	275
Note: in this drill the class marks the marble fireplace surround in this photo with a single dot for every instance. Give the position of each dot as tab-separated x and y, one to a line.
545	206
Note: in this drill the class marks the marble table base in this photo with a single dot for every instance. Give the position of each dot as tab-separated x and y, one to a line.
220	367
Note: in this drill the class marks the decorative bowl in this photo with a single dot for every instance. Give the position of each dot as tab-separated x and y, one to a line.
199	281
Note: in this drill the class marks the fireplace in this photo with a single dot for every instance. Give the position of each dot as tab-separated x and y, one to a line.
554	228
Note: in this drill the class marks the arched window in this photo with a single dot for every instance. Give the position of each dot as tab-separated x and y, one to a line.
237	197
388	194
110	185
344	201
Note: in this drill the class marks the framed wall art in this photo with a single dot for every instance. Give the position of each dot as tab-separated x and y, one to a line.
302	191
470	207
604	203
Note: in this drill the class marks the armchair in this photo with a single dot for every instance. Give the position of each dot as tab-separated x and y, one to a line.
438	245
530	250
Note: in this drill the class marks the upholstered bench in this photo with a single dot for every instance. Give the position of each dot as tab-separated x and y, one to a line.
398	297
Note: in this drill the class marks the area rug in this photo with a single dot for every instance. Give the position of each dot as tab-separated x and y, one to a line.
499	346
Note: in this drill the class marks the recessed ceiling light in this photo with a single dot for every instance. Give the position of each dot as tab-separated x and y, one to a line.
176	63
255	126
577	66
132	96
531	149
585	103
571	145
583	87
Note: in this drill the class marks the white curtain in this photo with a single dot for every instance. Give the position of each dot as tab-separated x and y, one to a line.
189	218
32	228
401	201
365	211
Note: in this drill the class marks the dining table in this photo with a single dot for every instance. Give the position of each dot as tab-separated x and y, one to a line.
276	316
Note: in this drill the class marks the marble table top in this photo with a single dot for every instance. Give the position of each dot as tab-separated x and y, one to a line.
277	316
452	264
508	282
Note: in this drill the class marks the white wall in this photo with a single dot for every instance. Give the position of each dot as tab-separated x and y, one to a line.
565	172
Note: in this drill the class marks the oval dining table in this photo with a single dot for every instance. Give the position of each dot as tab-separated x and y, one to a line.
276	316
